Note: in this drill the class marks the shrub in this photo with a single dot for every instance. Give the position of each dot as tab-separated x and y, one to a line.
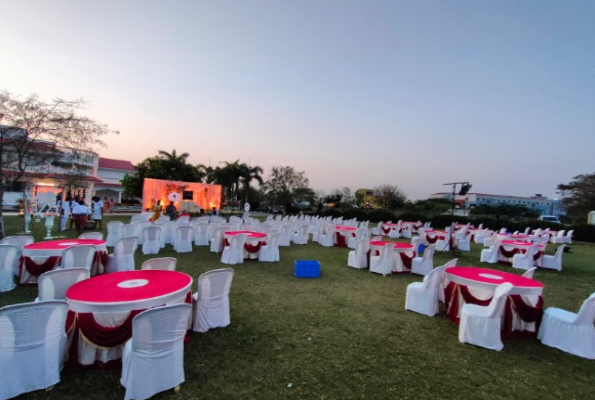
360	214
381	215
331	212
412	216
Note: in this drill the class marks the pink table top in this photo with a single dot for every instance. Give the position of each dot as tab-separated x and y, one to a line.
519	243
345	228
249	234
397	245
61	244
489	278
128	290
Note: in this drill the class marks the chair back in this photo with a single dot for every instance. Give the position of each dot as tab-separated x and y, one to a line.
126	246
183	232
52	285
432	281
429	253
215	284
152	233
130	230
496	306
362	246
558	254
91	235
274	240
18	241
162	263
237	242
451	263
114	232
586	314
387	252
80	256
160	329
9	258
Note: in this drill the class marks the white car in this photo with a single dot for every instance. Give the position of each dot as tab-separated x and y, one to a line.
550	218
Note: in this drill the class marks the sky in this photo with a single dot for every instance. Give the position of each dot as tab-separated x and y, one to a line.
356	94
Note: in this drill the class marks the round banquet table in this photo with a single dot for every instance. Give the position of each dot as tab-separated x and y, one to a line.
508	248
104	307
414	225
253	242
404	254
390	226
524	305
431	236
41	257
341	232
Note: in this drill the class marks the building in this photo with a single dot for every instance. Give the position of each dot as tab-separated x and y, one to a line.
111	172
539	203
367	198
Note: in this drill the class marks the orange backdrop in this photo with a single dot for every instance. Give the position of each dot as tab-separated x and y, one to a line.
203	195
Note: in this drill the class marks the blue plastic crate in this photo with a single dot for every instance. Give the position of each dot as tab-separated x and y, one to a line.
307	269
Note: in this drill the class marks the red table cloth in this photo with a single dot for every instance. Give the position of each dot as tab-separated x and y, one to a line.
254	240
341	235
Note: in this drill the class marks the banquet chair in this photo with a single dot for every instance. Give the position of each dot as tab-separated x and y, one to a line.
301	235
201	236
377	238
451	263
153	359
285	235
527	231
163	264
422	297
19	241
393	233
559	238
52	285
358	258
217	241
327	239
270	251
360	233
568	237
167	232
464	243
9	259
425	264
406	231
183	219
140	226
490	255
529	273
183	238
151	240
114	232
443	243
491	240
130	230
80	256
211	302
234	253
503	231
91	236
525	260
122	258
555	261
383	264
32	346
480	325
570	332
377	230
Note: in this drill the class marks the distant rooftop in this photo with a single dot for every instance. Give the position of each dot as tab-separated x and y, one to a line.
110	163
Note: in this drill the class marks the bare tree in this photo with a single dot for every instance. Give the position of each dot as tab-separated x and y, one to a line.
390	197
36	135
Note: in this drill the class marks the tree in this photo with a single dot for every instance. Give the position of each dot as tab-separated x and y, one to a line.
390	197
579	194
168	166
247	175
36	134
285	185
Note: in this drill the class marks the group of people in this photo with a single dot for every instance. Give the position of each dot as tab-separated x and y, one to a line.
75	210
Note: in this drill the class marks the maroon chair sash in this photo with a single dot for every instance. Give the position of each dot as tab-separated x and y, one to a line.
253	248
341	242
407	259
105	336
37	269
508	253
431	240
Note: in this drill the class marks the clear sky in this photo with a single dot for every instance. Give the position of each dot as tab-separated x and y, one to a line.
355	93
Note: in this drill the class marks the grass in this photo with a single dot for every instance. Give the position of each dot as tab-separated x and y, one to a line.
347	335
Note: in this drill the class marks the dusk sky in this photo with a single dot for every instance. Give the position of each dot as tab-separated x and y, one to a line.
354	93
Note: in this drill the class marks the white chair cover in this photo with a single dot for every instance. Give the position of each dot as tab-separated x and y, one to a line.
217	241
327	239
422	297
211	302
130	230
383	264
285	240
234	253
202	234
91	235
559	238
358	258
183	239
360	233
524	260
302	235
270	251
425	264
481	325
52	285
153	359
32	346
530	272
568	237
9	258
80	256
114	232
490	255
18	241
555	261
163	263
570	332
151	240
123	257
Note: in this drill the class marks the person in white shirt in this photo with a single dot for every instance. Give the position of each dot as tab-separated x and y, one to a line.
97	212
65	212
80	212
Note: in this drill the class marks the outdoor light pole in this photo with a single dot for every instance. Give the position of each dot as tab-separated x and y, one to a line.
465	187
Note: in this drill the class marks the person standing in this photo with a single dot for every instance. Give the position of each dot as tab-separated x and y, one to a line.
246	211
97	212
80	212
171	211
65	211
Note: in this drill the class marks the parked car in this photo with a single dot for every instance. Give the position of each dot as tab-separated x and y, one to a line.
550	218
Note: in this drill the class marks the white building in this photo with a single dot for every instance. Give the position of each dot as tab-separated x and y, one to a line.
111	172
539	203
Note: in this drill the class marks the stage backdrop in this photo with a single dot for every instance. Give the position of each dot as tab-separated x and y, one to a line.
183	194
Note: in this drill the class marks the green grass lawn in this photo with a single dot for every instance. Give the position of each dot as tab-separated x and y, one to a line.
346	335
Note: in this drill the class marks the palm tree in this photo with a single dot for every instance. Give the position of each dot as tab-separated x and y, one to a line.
248	174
